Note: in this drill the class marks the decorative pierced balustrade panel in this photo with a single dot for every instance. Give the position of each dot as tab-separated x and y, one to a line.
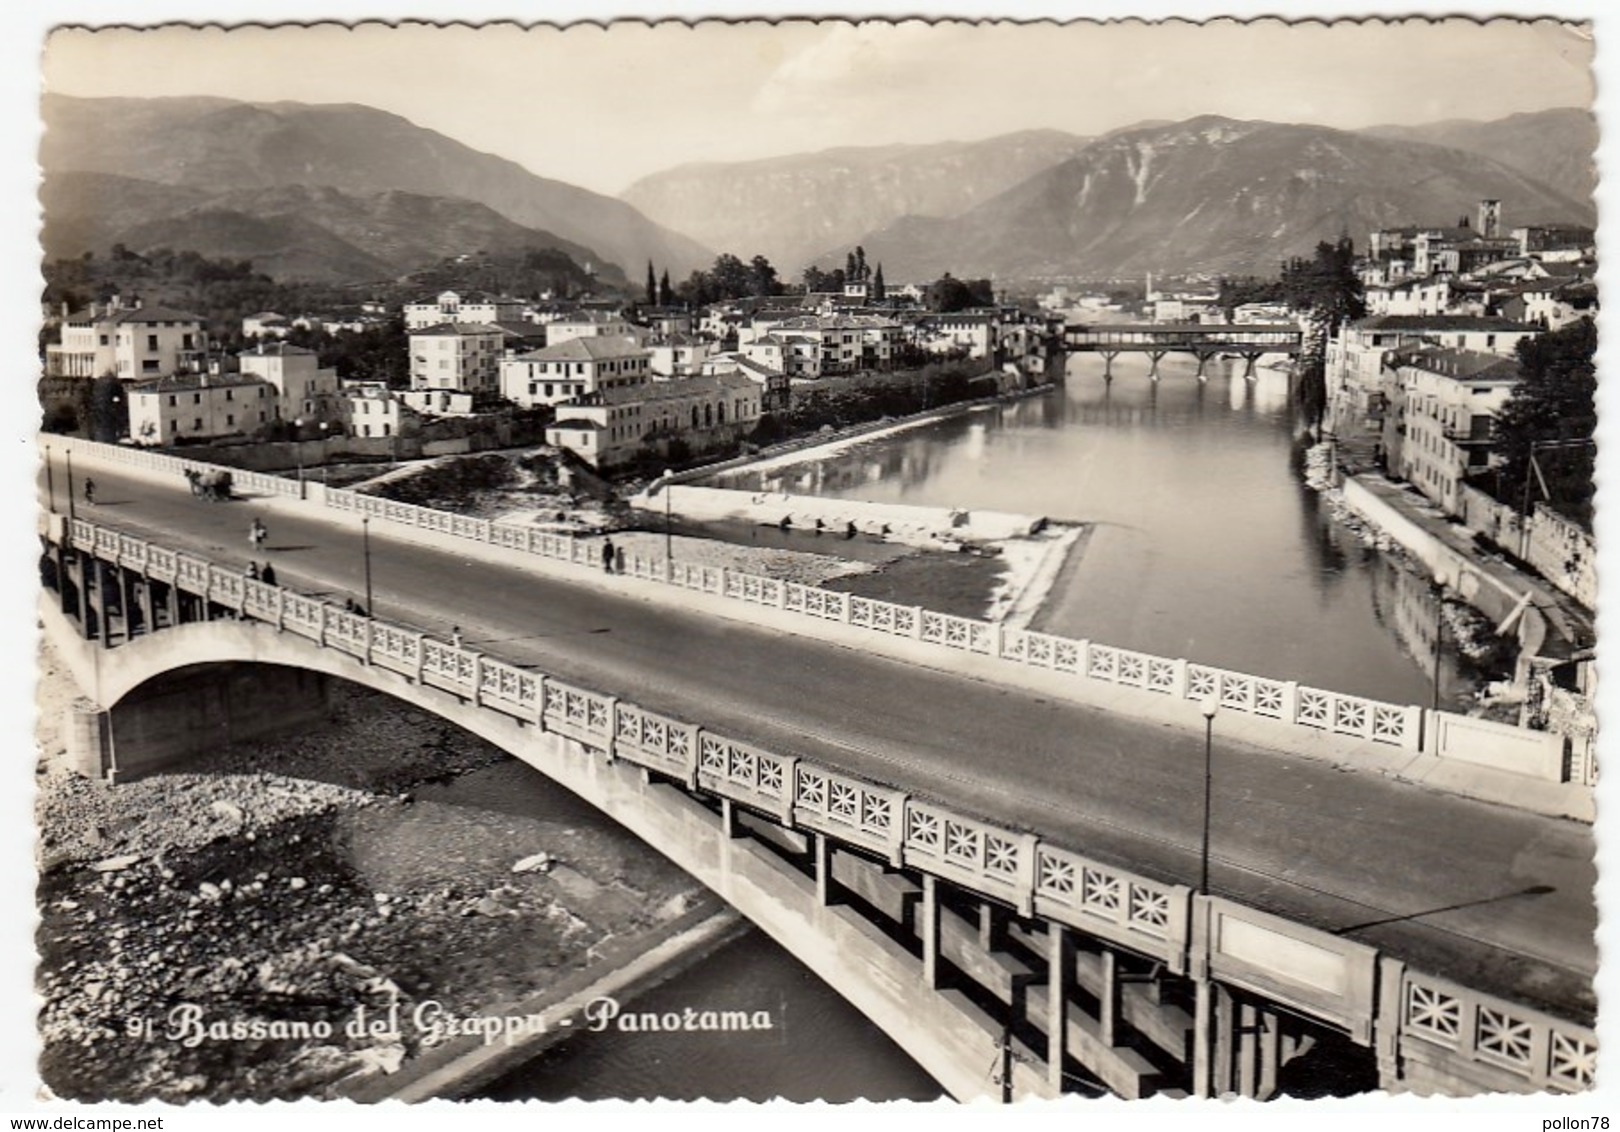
579	714
746	774
396	512
656	741
131	552
448	667
509	535
883	616
191	574
161	563
84	534
346	631
509	689
1545	1052
550	545
105	543
1380	722
341	500
395	648
956	632
301	615
225	588
1144	915
825	604
259	600
641	566
983	857
848	809
465	526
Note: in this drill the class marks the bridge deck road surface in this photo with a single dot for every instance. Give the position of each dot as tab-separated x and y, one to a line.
1495	898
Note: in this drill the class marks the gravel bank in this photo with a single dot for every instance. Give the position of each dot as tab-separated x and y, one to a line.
298	882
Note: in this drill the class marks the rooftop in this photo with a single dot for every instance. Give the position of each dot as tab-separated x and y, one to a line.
605	348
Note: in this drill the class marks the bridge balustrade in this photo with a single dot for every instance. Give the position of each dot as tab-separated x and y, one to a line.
512	536
303	615
348	632
755	589
975	854
813	601
399	650
746	774
1038	650
260	601
964	634
656	742
884	616
1352	715
584	716
1416	1016
1146	916
445	666
161	563
850	810
131	552
1432	1014
508	688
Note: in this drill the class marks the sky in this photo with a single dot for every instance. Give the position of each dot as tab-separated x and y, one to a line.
601	107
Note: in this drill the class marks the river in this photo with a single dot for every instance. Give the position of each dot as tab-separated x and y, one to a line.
1206	544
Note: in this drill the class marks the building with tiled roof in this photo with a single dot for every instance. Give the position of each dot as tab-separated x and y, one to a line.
1441	424
451	307
130	343
607	428
575	367
199	406
457	357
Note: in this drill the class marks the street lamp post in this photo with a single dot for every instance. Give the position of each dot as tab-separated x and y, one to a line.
72	514
365	544
1439	630
1208	709
50	480
669	539
298	452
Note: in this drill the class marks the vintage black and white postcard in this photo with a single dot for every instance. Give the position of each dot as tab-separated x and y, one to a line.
812	559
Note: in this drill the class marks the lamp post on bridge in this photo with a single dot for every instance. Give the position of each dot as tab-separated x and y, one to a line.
72	514
1208	709
365	546
50	480
1438	585
669	539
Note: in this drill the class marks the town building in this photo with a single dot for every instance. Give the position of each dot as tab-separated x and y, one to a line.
457	357
776	387
303	389
590	324
678	355
199	406
371	409
265	324
451	307
608	428
129	343
575	367
1442	426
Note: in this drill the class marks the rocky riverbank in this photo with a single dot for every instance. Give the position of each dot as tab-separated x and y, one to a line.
217	933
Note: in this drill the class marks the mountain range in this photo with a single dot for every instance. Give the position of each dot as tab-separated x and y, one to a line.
347	193
792	209
213	148
1209	195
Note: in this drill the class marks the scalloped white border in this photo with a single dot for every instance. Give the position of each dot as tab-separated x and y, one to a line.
22	32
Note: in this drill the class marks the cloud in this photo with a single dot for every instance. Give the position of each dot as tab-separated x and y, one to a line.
857	62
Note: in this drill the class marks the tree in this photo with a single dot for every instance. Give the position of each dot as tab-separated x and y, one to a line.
852	273
1328	289
666	294
862	272
1552	414
879	293
765	281
948	294
652	286
109	409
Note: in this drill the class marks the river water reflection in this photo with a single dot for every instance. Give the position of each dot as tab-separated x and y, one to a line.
1206	544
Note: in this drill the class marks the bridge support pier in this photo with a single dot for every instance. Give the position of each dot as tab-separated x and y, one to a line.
1059	971
1204	357
1108	357
928	929
1154	357
1249	360
822	863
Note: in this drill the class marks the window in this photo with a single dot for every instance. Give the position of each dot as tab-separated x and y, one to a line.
196	424
185	342
230	394
150	365
196	398
171	400
230	420
151	342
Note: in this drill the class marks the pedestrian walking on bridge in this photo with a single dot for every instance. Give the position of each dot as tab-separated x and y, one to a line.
607	555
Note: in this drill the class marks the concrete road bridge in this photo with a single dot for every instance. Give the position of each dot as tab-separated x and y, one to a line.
995	877
1249	341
